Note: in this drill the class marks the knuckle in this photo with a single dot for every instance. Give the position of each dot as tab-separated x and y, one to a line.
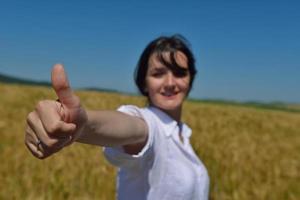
39	105
30	117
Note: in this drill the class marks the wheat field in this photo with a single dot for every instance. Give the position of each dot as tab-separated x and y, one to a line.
250	154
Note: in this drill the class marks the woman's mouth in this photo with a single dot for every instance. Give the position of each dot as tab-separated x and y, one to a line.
169	94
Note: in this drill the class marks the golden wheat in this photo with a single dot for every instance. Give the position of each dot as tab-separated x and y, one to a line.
249	153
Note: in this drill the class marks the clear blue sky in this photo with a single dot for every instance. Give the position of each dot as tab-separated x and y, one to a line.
245	50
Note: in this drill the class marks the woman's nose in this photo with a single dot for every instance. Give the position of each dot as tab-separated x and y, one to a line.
170	79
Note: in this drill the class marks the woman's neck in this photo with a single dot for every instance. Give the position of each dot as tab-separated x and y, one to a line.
174	114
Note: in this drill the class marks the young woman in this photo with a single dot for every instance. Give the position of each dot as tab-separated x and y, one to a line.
149	145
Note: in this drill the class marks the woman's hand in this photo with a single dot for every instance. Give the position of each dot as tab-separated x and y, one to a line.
55	124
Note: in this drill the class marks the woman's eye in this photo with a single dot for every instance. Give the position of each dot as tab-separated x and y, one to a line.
158	74
180	74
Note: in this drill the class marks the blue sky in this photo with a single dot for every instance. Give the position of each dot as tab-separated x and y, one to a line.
245	50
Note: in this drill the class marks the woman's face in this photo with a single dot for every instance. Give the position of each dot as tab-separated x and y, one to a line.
165	89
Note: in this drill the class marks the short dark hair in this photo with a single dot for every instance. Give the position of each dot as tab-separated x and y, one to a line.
160	45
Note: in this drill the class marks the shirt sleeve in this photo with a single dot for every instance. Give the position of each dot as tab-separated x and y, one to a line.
117	156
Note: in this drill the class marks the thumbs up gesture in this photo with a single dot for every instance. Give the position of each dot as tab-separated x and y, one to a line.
55	124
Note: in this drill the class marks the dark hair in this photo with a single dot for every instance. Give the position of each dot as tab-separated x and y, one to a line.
160	45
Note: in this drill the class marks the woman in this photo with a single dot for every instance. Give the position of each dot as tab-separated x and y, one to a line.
149	145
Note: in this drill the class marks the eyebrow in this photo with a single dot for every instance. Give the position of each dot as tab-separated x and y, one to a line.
158	68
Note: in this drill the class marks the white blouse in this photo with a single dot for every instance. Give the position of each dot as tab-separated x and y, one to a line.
166	168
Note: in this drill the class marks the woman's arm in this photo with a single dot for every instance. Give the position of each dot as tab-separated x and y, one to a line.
113	128
56	124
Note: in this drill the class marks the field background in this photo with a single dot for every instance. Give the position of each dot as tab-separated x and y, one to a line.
251	153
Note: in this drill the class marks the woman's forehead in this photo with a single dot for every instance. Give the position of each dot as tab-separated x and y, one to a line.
180	58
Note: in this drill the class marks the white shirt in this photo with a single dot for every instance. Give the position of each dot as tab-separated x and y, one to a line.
166	168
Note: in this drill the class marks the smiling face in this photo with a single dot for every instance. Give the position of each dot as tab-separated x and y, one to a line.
167	88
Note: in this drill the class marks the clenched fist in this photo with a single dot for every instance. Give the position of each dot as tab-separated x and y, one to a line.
55	124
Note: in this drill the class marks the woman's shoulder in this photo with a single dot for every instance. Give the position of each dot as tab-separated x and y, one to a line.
133	110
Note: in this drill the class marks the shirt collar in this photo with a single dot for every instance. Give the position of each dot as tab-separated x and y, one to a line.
186	131
169	124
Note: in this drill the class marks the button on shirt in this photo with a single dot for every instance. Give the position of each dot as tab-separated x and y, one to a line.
166	168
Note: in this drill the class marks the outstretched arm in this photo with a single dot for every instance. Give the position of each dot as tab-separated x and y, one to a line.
56	124
113	128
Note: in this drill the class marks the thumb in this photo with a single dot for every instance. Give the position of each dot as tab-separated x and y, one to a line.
62	87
